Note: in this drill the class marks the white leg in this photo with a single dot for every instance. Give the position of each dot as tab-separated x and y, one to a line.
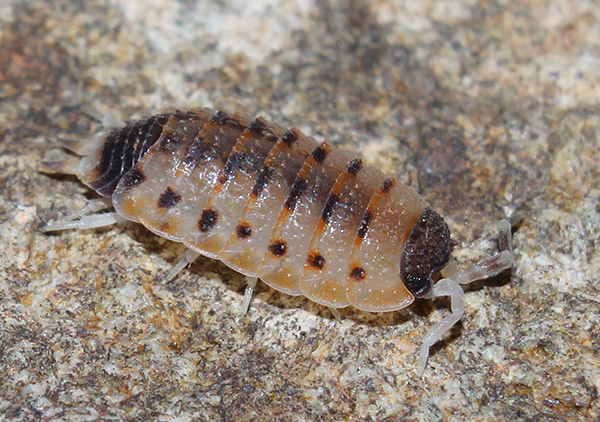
494	265
86	222
80	220
94	205
189	256
444	287
449	287
335	313
248	294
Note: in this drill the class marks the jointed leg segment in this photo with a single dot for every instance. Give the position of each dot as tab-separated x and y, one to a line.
449	287
81	220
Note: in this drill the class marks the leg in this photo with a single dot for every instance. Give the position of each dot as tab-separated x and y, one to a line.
248	294
444	287
495	264
449	287
94	205
335	313
189	256
80	220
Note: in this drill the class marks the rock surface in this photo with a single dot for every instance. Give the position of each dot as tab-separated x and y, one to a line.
486	108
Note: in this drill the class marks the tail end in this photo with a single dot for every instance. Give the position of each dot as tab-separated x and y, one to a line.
68	166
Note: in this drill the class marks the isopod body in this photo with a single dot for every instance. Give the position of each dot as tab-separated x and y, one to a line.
271	203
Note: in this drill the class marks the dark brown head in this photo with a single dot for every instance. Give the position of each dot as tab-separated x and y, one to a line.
426	252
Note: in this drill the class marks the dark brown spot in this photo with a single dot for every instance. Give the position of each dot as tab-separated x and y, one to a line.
223	119
427	250
220	118
320	153
168	198
259	129
316	260
243	231
237	160
364	224
289	137
133	178
358	273
354	166
262	180
208	219
332	201
296	191
387	185
278	248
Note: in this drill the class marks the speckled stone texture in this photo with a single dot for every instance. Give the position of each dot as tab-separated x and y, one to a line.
487	108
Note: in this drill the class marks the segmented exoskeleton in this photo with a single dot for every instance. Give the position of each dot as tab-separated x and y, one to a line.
274	204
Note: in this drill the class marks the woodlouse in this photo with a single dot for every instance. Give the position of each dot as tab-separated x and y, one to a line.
274	204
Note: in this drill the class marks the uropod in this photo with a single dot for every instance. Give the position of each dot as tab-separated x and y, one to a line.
274	204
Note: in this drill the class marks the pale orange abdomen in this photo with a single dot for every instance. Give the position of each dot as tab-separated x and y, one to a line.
272	203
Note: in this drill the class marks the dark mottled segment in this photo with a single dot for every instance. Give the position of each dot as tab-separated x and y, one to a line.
316	260
147	139
387	185
215	140
168	198
208	219
278	248
110	161
320	153
183	125
296	191
364	224
133	178
332	201
290	137
426	251
239	161
262	180
223	119
261	130
249	153
121	151
354	166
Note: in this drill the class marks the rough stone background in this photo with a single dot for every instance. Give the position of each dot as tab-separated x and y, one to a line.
487	108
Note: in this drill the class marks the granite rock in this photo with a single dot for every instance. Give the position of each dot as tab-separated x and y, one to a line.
487	108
